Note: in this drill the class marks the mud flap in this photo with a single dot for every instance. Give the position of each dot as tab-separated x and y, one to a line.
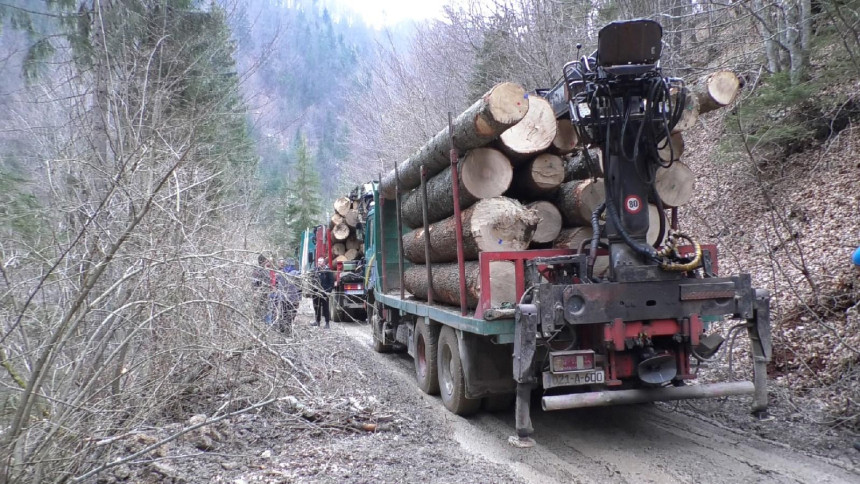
525	334
486	366
762	348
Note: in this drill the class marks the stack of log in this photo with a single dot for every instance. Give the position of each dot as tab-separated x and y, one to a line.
346	245
524	182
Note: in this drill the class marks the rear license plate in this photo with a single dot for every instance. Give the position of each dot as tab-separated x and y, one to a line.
573	378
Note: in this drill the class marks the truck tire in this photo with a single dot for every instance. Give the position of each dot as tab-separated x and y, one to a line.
426	343
379	345
451	381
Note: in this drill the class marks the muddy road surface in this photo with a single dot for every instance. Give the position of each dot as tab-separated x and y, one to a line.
660	443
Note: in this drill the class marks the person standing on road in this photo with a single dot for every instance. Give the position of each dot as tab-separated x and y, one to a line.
323	285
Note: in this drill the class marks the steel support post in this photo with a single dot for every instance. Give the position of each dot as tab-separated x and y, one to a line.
761	346
378	228
458	224
399	230
427	247
525	346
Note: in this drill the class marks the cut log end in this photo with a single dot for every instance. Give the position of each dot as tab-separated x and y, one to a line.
340	231
508	103
342	205
672	150
549	225
675	185
566	139
487	173
534	133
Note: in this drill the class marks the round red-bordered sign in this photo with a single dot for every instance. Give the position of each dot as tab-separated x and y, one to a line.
633	204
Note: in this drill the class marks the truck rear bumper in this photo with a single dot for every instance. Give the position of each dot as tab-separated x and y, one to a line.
622	397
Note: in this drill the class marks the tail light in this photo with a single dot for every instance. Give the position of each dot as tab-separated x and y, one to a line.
562	361
352	287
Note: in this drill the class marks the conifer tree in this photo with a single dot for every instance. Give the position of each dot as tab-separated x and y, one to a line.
302	207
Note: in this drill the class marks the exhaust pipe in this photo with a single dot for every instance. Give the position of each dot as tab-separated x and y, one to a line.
626	397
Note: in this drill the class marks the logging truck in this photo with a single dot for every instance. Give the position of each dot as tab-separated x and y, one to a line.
341	244
534	245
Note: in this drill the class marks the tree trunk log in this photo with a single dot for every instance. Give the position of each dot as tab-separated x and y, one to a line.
351	217
533	134
576	200
342	205
675	184
690	115
351	254
483	173
353	243
537	178
494	224
718	90
676	142
576	167
338	249
340	231
654	234
572	238
566	139
500	108
336	219
549	225
446	283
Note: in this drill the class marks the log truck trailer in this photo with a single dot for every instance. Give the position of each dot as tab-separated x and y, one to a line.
632	336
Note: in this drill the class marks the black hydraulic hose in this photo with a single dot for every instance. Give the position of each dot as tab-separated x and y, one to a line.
595	237
662	214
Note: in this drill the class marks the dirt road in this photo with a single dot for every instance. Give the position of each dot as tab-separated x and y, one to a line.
642	444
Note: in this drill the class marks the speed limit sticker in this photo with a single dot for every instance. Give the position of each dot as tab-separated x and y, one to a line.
633	204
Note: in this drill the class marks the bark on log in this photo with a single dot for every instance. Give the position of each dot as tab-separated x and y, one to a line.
533	134
718	90
565	140
351	217
539	177
340	231
676	142
500	108
576	200
494	224
342	205
549	225
576	167
446	282
483	173
338	249
675	184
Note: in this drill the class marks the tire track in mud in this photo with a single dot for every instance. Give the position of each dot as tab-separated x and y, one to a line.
622	444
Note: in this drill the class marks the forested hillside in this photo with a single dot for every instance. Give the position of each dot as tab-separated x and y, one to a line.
151	149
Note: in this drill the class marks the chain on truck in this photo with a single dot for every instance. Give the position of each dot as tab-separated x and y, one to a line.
638	333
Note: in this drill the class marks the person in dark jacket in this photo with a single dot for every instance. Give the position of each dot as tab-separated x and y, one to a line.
261	286
323	285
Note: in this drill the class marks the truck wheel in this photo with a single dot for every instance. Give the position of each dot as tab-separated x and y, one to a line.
379	345
426	343
451	381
